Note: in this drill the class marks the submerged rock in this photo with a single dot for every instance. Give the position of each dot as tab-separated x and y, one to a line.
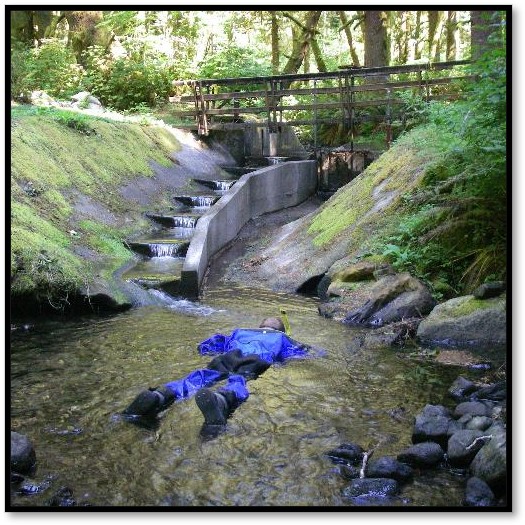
348	453
389	467
478	494
371	487
23	456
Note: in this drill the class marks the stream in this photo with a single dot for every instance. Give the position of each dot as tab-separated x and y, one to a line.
71	378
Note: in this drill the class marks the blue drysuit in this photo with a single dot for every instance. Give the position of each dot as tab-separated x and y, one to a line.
270	346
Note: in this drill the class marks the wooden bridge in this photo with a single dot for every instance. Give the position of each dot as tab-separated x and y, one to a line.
348	97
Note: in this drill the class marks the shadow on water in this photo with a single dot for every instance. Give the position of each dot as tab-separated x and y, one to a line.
70	380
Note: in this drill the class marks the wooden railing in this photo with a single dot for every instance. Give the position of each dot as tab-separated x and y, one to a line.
347	96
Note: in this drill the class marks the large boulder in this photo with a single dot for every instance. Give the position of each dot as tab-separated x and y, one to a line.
375	303
466	321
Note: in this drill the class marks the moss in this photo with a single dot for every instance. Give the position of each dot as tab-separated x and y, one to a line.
55	155
470	306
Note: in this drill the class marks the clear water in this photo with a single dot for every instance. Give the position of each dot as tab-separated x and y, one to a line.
70	379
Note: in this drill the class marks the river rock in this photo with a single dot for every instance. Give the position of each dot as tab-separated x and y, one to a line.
23	456
494	392
392	298
462	447
432	424
466	321
348	453
490	463
474	408
424	455
478	494
360	271
389	467
349	471
461	388
489	290
471	422
371	487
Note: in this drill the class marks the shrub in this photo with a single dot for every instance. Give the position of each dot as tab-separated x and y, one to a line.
126	83
51	67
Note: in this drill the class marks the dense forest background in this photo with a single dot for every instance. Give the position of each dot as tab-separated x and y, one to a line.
452	231
129	58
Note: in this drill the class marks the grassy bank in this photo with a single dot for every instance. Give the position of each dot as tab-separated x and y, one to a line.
60	161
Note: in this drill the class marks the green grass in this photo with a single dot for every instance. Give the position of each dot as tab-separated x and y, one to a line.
55	155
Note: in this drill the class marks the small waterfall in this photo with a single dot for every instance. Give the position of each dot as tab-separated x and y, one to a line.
276	160
181	221
165	249
224	185
197	200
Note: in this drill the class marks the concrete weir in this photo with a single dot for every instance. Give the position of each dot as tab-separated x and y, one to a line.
263	191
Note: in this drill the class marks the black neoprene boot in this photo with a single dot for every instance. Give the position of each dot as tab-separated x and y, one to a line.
150	402
215	406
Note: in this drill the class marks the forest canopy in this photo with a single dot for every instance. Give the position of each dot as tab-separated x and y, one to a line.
129	58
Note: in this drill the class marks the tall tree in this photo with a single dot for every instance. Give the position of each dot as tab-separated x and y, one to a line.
435	26
275	42
302	37
376	43
417	36
348	32
452	29
483	24
376	39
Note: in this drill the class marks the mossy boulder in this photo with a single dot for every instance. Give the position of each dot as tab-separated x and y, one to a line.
466	321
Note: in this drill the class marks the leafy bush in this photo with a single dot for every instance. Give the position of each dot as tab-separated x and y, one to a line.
51	68
455	230
126	83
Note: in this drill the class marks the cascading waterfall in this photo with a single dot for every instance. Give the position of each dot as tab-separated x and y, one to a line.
184	222
197	200
165	250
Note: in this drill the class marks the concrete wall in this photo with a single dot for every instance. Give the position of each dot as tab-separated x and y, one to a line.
263	191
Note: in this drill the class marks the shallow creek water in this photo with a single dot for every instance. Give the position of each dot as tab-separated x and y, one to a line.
70	379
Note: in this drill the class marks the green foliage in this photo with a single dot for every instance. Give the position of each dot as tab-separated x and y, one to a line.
51	67
454	230
126	83
234	62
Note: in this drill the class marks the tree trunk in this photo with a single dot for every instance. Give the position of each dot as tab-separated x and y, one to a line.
375	39
483	24
452	27
319	60
83	31
417	36
22	27
346	27
275	44
435	19
301	42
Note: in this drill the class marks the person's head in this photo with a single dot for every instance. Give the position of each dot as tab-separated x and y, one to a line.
273	322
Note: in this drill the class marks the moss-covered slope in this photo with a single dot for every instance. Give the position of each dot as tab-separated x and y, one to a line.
79	187
355	222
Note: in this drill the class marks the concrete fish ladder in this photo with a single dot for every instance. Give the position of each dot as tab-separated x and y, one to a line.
266	190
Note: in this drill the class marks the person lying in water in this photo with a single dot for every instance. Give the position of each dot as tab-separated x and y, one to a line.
243	355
